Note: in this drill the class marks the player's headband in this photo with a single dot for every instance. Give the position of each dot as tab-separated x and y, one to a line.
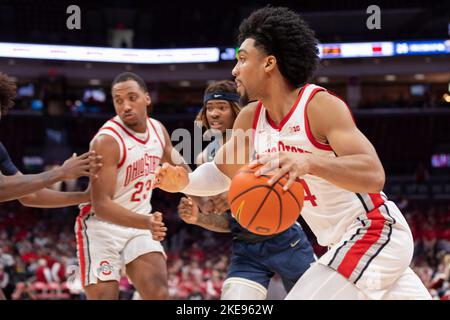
221	96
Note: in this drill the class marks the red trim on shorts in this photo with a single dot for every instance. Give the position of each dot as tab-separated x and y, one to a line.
311	138
255	120
361	246
124	156
132	135
83	213
154	129
288	116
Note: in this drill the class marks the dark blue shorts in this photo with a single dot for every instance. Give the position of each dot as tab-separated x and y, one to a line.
289	254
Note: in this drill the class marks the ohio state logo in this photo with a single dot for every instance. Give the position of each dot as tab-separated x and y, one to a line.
105	268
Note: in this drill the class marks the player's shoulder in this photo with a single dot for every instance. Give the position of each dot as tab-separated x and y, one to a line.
104	140
246	116
325	101
326	110
157	123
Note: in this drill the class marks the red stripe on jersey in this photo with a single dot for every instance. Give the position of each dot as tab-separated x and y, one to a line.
124	155
132	135
311	138
360	247
154	129
288	116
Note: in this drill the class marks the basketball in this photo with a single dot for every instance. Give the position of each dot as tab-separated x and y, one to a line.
261	208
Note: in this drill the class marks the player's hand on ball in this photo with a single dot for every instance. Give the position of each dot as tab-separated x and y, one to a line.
170	178
157	226
188	211
281	163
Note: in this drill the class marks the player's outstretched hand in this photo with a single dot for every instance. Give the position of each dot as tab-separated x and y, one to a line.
188	211
171	178
157	226
87	164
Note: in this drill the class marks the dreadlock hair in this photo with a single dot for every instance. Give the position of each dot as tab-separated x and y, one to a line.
281	32
219	86
7	93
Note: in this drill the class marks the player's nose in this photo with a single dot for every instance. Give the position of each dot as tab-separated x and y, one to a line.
127	107
235	71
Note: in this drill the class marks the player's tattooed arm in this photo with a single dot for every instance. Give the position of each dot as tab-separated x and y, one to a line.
190	213
214	222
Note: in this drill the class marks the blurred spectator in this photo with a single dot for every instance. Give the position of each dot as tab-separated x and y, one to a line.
23	292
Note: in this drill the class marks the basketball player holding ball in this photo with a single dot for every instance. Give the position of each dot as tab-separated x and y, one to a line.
255	258
304	131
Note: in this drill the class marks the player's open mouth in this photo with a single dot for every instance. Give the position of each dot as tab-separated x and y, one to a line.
216	125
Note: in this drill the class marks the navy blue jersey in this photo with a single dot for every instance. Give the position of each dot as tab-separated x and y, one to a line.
7	167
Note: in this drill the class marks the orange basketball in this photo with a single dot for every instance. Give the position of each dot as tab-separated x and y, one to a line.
261	208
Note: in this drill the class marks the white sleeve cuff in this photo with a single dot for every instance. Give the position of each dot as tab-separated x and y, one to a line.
207	180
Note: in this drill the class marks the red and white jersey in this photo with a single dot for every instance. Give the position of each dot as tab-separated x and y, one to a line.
140	154
328	209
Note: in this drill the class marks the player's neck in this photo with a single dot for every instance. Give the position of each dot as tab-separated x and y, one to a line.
140	127
279	100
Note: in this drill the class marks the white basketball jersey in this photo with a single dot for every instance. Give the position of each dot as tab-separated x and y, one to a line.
328	209
140	154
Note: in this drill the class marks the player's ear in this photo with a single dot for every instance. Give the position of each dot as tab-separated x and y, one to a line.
148	99
271	62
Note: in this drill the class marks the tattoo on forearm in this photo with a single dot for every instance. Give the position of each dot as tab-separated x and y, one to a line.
216	221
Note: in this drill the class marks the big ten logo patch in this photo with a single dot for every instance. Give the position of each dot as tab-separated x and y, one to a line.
294	128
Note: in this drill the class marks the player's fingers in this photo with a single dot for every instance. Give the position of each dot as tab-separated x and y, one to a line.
184	200
269	166
277	176
157	215
290	181
84	155
159	228
92	175
260	159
